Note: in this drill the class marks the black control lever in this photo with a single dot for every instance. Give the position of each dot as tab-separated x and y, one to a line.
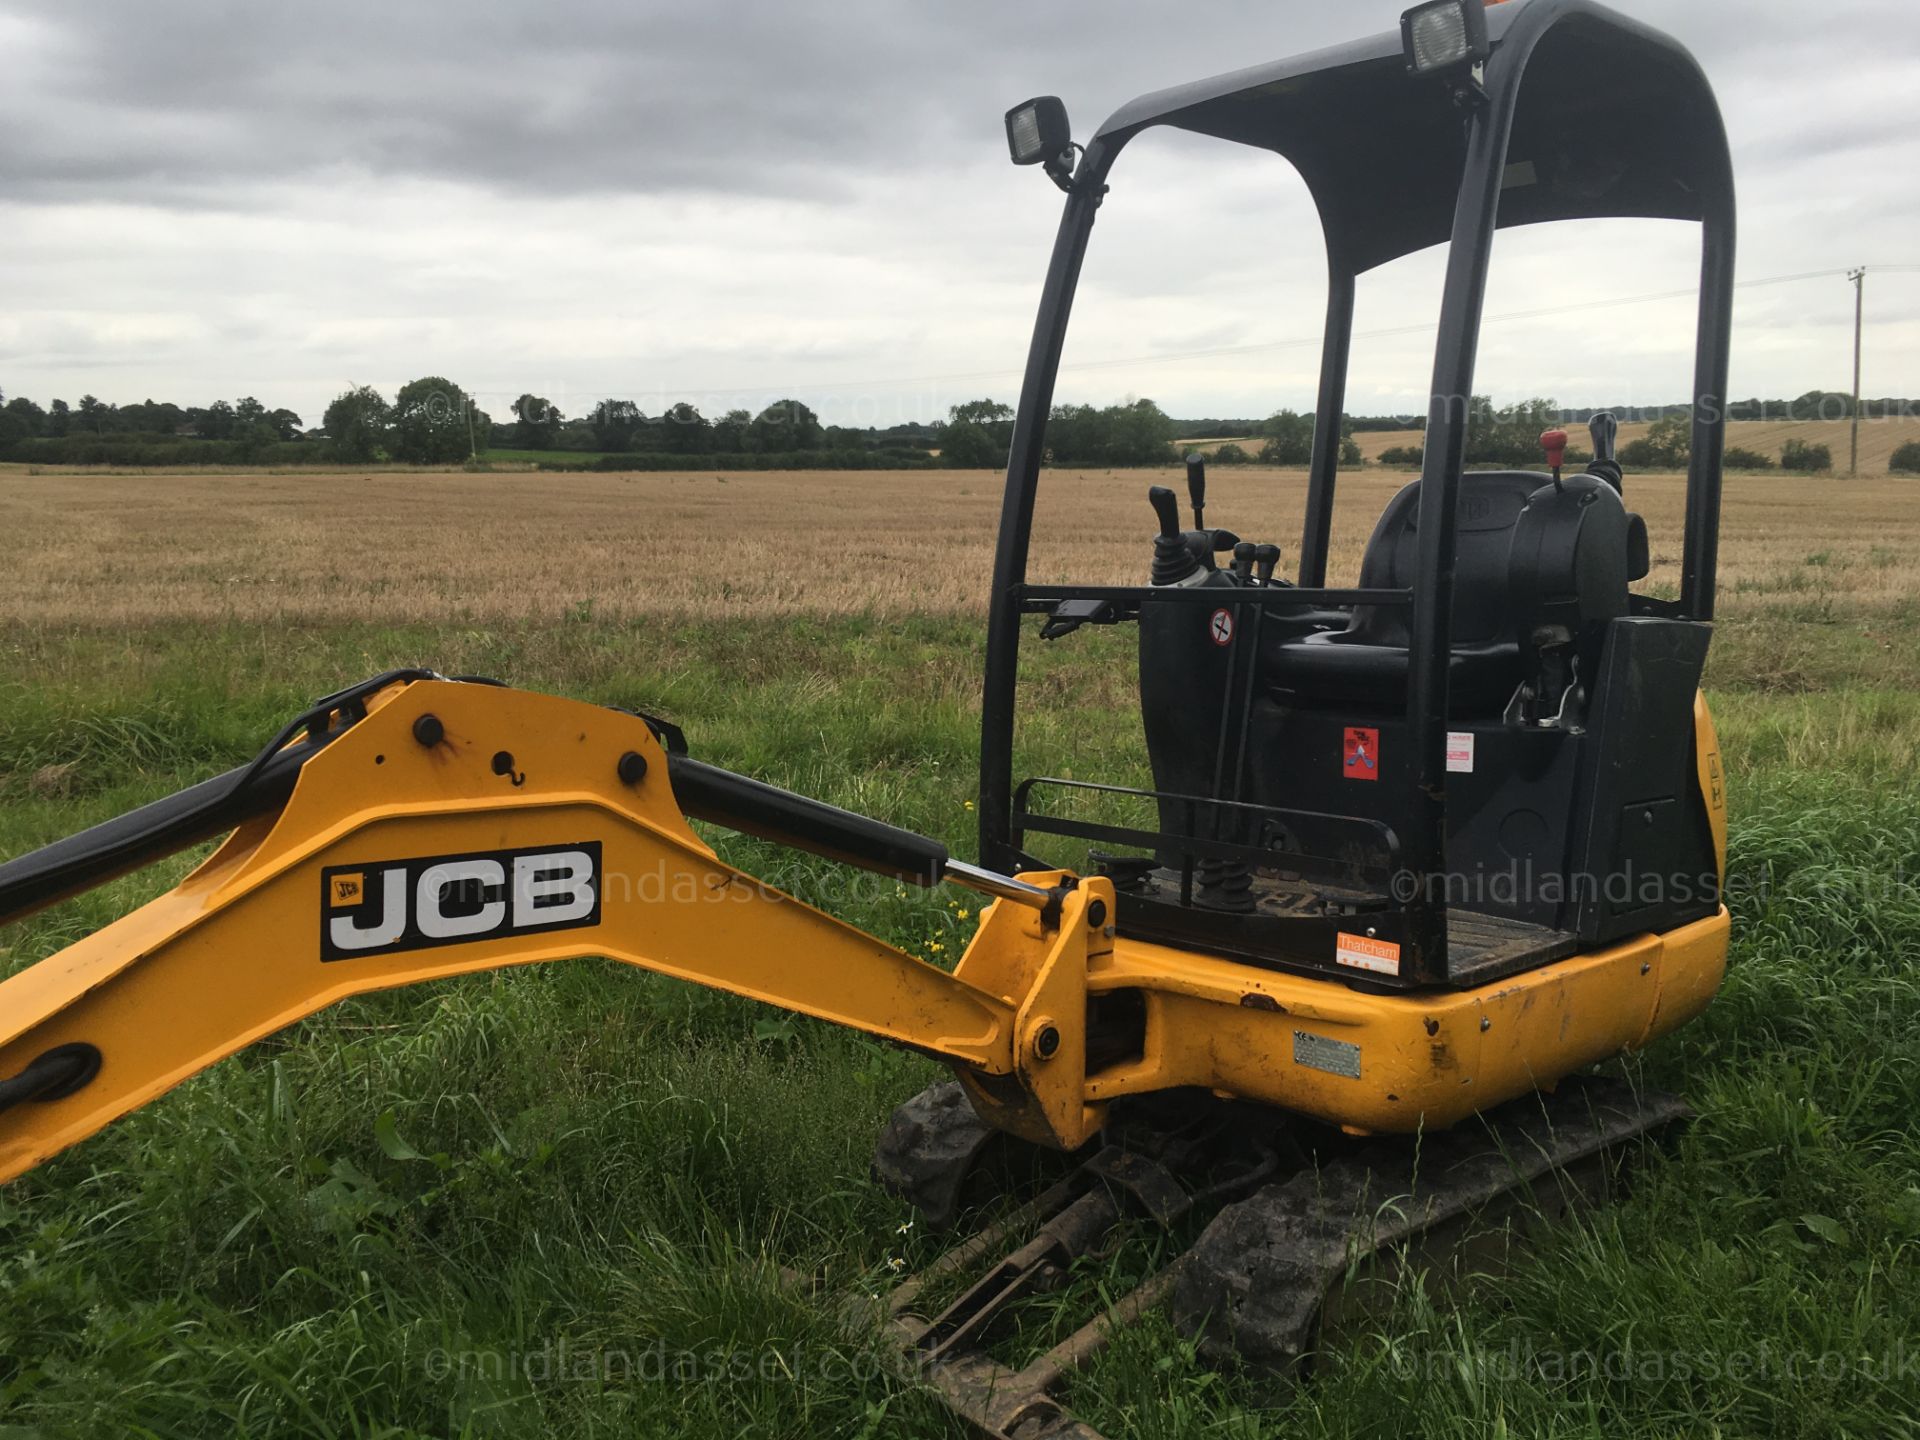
1197	487
1604	429
1178	556
1166	507
1265	559
1243	560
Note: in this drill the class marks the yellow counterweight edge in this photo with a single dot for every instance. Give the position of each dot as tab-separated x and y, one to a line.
1400	1062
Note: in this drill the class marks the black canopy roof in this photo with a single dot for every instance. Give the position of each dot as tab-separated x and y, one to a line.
1611	118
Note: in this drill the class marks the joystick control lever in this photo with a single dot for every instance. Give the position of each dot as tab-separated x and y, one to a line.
1605	430
1179	555
1179	558
1166	508
1197	487
1265	559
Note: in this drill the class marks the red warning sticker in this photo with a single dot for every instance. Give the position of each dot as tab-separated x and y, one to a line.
1221	627
1360	753
1460	751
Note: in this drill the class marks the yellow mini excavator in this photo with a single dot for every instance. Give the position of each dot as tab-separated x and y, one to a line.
1417	855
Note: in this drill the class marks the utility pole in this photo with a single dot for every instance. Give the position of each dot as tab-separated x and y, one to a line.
1859	279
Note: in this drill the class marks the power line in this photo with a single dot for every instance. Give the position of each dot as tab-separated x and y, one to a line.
1259	346
1541	313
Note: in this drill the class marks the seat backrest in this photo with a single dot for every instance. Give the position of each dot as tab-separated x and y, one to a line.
1490	502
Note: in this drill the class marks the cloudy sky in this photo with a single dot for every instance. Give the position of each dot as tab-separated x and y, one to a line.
732	202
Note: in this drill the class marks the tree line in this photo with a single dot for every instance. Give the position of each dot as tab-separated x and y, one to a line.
245	422
1510	438
433	421
978	434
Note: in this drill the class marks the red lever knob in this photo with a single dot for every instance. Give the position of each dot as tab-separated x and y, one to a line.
1554	442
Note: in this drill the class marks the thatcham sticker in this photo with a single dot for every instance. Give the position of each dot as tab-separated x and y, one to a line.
386	906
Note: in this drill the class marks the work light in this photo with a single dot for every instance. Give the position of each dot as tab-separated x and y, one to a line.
1444	36
1037	131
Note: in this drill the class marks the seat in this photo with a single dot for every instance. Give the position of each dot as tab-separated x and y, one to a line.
1540	568
1367	663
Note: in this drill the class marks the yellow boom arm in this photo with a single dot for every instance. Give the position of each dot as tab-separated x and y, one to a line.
460	827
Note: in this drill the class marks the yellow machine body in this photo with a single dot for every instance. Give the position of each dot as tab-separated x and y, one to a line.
521	796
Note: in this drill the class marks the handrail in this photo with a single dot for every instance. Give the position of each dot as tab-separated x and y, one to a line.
1033	595
1197	846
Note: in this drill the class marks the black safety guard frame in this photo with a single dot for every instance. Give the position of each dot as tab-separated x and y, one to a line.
1347	119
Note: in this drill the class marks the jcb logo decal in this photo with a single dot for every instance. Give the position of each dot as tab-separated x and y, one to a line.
388	906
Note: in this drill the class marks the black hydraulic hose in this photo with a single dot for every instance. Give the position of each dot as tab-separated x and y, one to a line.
214	807
200	812
139	837
61	1071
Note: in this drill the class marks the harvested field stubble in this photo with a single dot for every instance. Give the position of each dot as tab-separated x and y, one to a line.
435	548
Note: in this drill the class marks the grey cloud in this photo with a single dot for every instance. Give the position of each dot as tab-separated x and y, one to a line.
198	104
585	98
580	98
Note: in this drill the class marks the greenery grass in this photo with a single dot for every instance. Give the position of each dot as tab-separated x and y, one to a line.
573	1200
